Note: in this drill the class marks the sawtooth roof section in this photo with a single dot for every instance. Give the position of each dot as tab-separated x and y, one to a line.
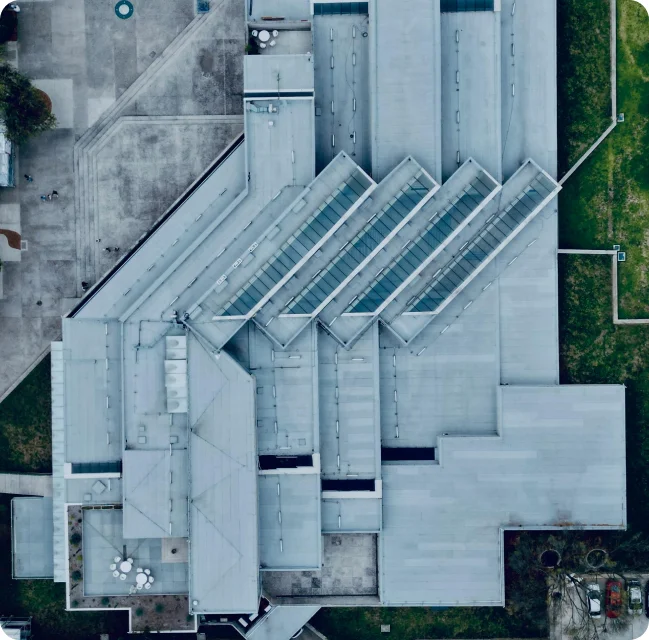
223	484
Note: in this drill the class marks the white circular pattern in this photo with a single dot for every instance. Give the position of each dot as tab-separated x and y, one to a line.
123	9
264	36
141	578
125	567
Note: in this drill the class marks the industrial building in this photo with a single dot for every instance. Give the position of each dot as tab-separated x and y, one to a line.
329	375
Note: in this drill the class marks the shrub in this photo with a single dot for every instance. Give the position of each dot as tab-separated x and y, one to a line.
76	575
75	539
139	612
159	607
105	601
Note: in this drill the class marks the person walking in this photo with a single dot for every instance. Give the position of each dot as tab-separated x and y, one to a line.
29	178
44	198
55	193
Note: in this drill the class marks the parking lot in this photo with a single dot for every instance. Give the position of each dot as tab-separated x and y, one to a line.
570	619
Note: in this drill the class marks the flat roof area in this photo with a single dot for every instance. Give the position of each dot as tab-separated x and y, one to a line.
471	67
286	393
289	521
349	407
558	461
405	76
32	538
275	75
342	78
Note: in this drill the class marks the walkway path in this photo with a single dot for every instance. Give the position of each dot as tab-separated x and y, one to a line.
26	484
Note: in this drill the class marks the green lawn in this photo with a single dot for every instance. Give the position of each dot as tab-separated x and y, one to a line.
25	424
607	201
411	623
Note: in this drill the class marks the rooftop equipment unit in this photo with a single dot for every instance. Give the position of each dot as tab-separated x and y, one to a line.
175	365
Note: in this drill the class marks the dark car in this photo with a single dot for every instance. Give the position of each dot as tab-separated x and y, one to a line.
613	598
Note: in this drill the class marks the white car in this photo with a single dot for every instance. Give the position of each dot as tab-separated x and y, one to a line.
634	590
594	595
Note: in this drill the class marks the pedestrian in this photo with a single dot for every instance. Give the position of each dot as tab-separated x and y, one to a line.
98	240
116	249
108	249
49	196
55	194
29	178
84	286
44	198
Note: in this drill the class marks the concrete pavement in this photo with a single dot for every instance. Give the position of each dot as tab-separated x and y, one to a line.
26	484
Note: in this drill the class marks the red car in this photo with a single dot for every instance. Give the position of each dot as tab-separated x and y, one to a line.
613	598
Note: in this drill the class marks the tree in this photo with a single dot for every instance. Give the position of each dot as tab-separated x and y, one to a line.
584	557
22	107
8	25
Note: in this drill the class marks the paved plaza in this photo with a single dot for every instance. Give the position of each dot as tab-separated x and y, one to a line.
143	106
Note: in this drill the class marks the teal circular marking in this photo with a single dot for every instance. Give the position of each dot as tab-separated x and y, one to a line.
123	9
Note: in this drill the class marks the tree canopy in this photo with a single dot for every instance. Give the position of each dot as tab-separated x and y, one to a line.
22	107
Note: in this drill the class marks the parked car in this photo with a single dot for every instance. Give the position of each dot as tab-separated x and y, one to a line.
613	598
634	595
594	595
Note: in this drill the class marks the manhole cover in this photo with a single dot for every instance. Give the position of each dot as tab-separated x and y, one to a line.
550	558
123	9
595	558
